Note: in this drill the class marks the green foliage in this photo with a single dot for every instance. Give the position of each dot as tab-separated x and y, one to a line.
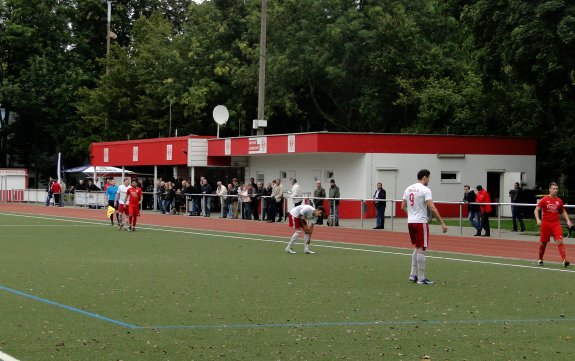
481	67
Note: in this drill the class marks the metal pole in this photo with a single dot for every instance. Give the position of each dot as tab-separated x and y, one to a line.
109	26
461	219
392	212
262	72
499	219
361	212
154	193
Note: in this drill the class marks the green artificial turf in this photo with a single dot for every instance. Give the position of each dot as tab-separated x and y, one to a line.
180	294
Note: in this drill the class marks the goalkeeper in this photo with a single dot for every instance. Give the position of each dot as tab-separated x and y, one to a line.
303	218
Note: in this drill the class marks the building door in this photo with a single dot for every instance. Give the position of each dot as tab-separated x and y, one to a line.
494	180
388	180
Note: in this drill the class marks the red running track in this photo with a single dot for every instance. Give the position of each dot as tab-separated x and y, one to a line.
457	244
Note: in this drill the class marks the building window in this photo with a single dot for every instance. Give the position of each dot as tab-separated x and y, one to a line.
260	177
449	177
523	178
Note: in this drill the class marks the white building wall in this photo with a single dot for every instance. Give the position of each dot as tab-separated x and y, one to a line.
357	174
348	170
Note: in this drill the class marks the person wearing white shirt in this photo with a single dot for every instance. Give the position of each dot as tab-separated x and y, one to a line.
222	192
303	217
295	193
122	204
416	200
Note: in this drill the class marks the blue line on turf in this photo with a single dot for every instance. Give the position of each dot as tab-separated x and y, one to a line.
285	325
353	324
69	308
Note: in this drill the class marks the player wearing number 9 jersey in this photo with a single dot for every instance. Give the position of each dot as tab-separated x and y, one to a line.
416	200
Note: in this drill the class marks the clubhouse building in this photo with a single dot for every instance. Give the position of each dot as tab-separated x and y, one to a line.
357	161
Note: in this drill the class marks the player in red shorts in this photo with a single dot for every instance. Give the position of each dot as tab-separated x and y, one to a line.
303	218
121	206
134	198
416	200
551	206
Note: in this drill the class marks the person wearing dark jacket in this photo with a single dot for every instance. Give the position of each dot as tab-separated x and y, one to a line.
206	189
473	212
266	195
318	199
379	201
516	195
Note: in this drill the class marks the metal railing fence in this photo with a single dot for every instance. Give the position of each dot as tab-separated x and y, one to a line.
98	200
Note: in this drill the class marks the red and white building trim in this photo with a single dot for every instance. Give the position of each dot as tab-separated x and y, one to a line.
357	161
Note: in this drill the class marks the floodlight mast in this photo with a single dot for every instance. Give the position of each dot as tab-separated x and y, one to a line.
262	72
108	34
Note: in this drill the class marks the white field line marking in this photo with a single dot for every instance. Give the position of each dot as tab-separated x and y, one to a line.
42	225
331	244
5	357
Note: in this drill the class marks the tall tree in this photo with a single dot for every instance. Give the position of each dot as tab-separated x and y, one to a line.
39	78
527	49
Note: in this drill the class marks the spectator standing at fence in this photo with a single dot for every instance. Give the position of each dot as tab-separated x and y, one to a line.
417	199
296	193
187	190
473	211
235	197
179	201
266	193
206	197
246	193
221	192
279	199
106	185
484	198
379	199
551	206
273	204
334	201
49	193
161	192
111	193
256	200
57	192
169	197
92	187
318	199
149	195
517	196
81	186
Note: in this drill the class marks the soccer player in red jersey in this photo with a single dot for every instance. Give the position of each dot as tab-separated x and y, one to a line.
551	206
134	198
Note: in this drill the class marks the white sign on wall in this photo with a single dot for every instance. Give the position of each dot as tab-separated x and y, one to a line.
291	143
258	145
134	154
106	155
168	152
228	146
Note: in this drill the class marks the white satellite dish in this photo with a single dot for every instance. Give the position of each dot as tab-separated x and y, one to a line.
221	114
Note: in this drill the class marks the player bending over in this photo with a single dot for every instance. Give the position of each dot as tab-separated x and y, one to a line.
303	217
